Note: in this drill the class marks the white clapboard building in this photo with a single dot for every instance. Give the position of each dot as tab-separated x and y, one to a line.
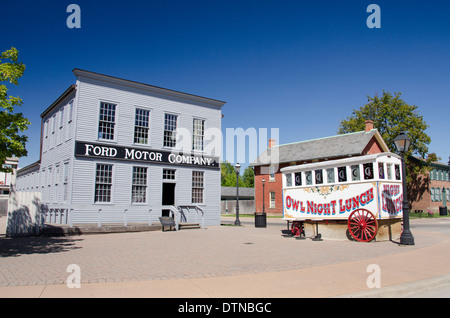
114	151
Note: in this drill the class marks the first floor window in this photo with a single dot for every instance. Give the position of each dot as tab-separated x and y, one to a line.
197	186
272	199
139	185
103	183
65	181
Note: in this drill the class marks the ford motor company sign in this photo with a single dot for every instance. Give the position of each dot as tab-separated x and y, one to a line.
93	150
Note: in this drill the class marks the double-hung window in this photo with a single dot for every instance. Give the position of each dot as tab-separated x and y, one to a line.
103	183
170	126
107	121
272	199
198	134
197	186
141	126
139	185
65	181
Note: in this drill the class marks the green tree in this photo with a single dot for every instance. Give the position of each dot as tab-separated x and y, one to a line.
228	176
390	115
249	177
12	144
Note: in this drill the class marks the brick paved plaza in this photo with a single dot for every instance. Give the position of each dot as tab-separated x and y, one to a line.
189	253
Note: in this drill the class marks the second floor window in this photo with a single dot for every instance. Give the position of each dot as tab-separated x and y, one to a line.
107	121
198	134
141	126
170	126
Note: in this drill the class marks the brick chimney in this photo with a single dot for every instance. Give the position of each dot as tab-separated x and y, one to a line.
369	125
271	143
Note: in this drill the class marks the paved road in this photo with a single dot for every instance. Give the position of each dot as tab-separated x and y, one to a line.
253	261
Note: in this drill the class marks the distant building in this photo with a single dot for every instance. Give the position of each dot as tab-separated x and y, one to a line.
316	150
430	191
246	200
6	180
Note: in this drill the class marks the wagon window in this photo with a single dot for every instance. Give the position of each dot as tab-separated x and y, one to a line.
319	176
298	179
308	175
389	171
289	180
381	170
397	172
342	174
368	171
330	175
355	173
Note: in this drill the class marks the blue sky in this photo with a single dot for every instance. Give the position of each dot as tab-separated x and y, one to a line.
300	66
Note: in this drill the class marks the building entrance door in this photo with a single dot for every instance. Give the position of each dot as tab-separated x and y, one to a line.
168	197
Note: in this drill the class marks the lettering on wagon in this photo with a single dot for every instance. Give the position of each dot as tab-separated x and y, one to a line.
332	207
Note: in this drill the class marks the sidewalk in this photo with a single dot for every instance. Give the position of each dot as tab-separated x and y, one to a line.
336	269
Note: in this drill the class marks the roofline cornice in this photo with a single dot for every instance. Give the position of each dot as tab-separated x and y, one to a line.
63	96
154	89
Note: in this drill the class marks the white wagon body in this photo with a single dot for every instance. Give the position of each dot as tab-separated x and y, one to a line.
361	190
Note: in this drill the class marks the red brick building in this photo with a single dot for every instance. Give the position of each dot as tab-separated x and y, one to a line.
430	191
267	166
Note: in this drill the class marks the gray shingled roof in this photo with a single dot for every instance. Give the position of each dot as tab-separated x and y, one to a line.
329	147
244	193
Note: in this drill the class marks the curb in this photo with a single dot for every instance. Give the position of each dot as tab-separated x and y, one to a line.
401	290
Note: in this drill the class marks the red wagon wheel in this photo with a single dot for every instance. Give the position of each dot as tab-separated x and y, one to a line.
362	225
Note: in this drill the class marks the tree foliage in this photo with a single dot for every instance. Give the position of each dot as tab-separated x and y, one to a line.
228	176
12	144
391	115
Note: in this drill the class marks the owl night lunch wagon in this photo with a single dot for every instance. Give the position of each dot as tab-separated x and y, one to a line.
114	151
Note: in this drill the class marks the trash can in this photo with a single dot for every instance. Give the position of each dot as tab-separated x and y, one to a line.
442	210
260	220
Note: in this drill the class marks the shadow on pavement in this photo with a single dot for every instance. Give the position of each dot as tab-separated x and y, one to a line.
13	247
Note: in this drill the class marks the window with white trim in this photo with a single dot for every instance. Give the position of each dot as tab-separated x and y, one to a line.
61	124
141	126
197	186
272	199
56	199
139	185
198	134
103	183
170	126
169	174
107	121
65	181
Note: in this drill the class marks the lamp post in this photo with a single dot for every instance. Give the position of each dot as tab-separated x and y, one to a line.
402	142
238	168
264	200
